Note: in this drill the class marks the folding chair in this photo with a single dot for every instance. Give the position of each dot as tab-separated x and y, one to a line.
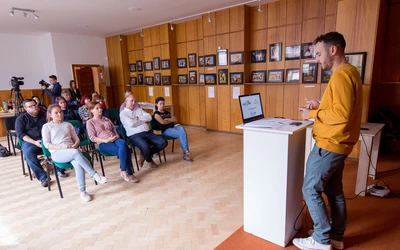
9	124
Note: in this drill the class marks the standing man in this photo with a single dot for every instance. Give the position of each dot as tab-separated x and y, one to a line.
28	127
336	130
55	91
135	121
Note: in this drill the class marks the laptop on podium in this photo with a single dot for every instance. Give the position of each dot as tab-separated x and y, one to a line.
252	111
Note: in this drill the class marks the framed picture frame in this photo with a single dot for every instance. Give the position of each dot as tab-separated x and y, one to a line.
310	72
132	81
209	60
139	65
358	60
293	75
192	60
210	79
165	64
236	77
201	79
275	52
181	62
193	77
156	63
182	79
275	75
258	56
222	57
223	76
292	52
236	57
140	79
201	61
157	78
326	75
148	66
166	80
258	76
307	50
149	80
132	67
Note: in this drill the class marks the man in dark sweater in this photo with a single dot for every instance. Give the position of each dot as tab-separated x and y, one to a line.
55	91
28	127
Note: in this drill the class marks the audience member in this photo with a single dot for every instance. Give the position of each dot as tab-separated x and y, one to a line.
126	94
67	112
83	110
75	93
41	106
71	103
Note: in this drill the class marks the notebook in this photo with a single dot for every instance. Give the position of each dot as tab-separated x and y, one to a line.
252	111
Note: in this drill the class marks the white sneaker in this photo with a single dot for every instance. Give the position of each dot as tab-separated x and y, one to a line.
335	243
85	196
310	244
99	178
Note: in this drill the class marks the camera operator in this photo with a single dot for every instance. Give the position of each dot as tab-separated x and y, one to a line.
55	91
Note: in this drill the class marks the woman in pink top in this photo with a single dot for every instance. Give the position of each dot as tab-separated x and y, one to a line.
102	131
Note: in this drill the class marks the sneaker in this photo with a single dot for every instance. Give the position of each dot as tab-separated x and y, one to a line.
141	161
99	178
44	183
310	244
335	243
62	174
85	196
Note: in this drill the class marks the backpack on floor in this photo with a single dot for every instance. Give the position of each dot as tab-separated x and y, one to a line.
4	151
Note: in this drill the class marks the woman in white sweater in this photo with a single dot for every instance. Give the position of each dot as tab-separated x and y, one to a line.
61	140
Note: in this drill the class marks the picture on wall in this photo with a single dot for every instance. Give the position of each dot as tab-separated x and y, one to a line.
210	79
310	72
223	76
201	79
293	75
209	60
307	50
192	60
236	57
140	79
258	76
149	80
292	52
157	78
181	62
148	66
133	81
166	80
357	60
193	77
275	52
182	79
275	75
156	62
139	65
132	67
326	75
165	64
222	57
236	77
258	56
201	61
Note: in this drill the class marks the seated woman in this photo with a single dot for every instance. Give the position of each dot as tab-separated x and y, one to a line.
83	110
61	140
166	123
68	113
75	93
42	108
101	130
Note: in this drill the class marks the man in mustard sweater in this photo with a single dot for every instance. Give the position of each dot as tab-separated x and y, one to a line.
336	130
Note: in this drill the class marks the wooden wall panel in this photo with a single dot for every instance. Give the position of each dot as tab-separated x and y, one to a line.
291	97
237	43
293	37
164	51
210	45
330	24
138	41
194	104
183	96
191	48
202	107
276	14
276	35
181	51
224	108
164	33
236	116
310	91
156	52
294	13
222	22
132	57
148	55
331	7
312	29
191	30
155	35
211	108
262	89
259	19
237	18
208	27
223	42
274	102
131	43
313	8
391	64
199	28
139	55
200	47
146	37
259	42
180	29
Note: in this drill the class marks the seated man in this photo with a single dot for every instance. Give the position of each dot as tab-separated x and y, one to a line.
126	94
135	121
28	127
71	104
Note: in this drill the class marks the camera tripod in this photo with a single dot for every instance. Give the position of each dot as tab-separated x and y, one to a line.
18	100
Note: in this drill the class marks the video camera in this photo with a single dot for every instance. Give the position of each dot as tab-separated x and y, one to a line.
15	82
44	83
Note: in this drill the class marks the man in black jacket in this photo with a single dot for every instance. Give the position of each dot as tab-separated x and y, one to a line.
28	127
55	91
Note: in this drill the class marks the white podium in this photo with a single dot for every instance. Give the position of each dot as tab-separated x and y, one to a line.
273	177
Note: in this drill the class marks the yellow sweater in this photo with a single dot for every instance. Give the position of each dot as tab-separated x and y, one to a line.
338	119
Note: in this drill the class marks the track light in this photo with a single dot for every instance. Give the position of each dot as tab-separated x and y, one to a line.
120	38
12	13
209	17
36	16
172	26
141	33
24	11
259	6
25	14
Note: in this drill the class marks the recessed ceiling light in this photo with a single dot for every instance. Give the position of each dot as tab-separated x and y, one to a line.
134	8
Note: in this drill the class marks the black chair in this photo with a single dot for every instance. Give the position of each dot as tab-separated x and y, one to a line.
9	123
152	125
22	162
392	127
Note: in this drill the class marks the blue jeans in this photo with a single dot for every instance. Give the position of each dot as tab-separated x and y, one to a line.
119	148
31	152
148	143
78	160
178	132
324	171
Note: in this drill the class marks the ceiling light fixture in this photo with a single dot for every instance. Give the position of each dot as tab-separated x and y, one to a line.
209	17
172	26
25	14
36	16
24	11
120	38
12	13
141	33
259	6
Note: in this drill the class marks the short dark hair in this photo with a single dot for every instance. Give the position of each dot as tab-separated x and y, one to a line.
70	83
332	38
27	100
158	99
53	77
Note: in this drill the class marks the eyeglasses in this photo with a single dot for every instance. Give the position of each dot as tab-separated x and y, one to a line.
32	106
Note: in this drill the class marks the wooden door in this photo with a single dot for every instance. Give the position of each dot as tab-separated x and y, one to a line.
85	80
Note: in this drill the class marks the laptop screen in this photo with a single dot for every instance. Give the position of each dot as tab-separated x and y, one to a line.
251	107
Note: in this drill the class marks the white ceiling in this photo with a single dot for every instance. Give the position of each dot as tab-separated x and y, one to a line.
102	18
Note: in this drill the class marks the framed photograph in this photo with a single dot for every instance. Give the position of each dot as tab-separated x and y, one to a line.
133	81
275	52
307	50
193	77
293	75
182	79
223	76
258	76
236	77
357	60
157	78
292	52
181	62
192	60
236	57
210	79
140	79
166	80
165	64
132	67
275	75
139	65
258	56
326	75
148	66
201	79
201	61
156	63
209	60
222	57
310	72
149	80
